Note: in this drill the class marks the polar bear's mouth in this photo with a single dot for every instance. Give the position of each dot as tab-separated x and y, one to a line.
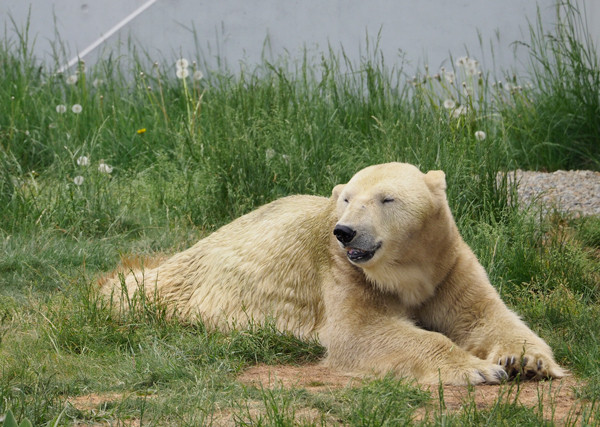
360	255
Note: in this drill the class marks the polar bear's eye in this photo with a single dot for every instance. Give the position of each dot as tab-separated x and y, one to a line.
346	200
387	200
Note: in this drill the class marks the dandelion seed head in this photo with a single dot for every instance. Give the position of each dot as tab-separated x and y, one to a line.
72	79
449	104
61	109
461	110
449	76
461	61
269	153
97	82
472	64
78	180
182	73
182	63
480	135
76	108
83	161
104	168
198	75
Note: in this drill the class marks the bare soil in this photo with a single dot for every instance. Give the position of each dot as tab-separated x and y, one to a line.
557	398
98	404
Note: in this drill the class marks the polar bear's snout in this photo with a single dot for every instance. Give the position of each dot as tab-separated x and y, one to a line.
344	233
359	247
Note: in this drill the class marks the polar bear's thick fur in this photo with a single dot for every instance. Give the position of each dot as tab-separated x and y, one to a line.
378	273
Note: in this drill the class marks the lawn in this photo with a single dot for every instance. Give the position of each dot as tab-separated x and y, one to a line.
118	160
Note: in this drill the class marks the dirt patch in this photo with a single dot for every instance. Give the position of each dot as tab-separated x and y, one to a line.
556	399
96	405
94	401
253	412
313	377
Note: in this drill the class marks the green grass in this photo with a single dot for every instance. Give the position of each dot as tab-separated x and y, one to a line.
190	155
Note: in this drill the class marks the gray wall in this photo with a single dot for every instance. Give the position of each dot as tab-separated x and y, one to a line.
423	31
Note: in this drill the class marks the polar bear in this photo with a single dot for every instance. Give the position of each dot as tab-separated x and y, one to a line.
377	273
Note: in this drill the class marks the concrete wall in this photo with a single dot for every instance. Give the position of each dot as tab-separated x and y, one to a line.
421	31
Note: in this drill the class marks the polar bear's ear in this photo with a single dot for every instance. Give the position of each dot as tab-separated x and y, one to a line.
436	181
335	193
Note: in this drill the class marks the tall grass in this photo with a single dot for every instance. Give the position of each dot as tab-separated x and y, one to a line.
152	162
559	126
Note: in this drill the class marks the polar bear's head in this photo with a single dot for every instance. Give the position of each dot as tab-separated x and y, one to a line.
392	216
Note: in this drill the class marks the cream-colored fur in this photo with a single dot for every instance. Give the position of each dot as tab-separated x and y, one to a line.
396	289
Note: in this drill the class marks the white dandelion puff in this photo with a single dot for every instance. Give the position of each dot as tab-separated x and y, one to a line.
72	79
449	104
97	82
182	63
472	66
461	110
449	76
480	135
472	71
83	161
76	108
61	108
104	168
182	73
462	61
269	153
198	75
78	180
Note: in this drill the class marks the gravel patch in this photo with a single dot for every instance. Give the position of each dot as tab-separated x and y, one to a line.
575	192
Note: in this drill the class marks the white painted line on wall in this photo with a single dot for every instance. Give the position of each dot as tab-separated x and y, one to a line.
104	37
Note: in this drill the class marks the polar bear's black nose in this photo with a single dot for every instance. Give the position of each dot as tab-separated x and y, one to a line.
344	234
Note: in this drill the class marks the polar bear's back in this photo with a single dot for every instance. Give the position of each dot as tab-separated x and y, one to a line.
265	264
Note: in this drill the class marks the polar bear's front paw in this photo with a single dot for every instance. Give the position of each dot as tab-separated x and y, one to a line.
492	375
530	366
478	373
